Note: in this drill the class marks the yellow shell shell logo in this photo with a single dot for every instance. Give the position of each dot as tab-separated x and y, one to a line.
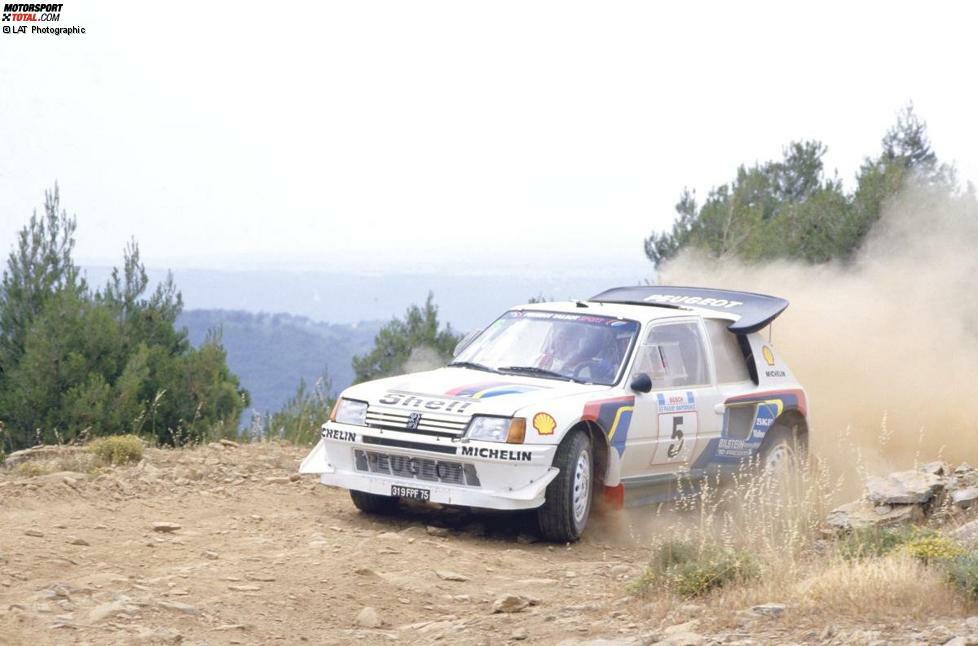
768	355
544	423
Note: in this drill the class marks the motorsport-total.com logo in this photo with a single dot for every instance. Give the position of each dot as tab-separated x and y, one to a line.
24	16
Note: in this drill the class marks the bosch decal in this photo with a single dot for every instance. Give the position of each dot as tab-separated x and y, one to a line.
676	402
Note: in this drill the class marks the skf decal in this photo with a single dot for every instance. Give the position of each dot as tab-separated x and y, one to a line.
497	454
615	415
676	402
544	423
768	355
336	434
491	389
413	401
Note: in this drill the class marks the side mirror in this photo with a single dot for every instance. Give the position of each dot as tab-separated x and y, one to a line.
641	383
464	343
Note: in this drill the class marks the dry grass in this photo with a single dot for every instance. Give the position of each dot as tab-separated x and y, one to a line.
895	586
778	521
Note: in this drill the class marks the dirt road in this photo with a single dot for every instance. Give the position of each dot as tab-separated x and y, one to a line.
242	554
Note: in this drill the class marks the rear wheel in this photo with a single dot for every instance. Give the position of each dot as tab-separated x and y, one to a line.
784	449
372	503
564	515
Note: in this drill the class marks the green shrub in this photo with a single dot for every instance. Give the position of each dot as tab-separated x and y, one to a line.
962	572
688	571
872	542
117	449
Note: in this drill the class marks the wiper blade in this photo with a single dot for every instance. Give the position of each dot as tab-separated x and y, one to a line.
470	364
543	372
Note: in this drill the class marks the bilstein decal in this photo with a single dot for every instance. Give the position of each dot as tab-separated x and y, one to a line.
496	454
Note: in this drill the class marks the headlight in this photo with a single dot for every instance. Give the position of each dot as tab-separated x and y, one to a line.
497	429
350	411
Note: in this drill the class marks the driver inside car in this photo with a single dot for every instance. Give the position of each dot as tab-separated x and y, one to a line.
572	349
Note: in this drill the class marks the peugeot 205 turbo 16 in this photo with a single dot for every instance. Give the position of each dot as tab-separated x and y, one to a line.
633	389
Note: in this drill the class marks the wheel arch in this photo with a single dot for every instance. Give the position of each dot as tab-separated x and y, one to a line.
791	421
600	446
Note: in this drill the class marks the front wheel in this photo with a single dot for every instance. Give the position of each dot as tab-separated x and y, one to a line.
372	503
563	516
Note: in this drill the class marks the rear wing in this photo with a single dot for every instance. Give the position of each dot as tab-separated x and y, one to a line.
756	311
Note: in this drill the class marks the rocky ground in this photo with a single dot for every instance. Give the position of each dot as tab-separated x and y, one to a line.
225	545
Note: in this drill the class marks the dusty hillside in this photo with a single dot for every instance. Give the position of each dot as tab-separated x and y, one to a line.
254	556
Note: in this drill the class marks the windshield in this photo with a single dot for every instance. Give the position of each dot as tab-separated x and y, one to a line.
553	345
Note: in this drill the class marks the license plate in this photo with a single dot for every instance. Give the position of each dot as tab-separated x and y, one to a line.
410	492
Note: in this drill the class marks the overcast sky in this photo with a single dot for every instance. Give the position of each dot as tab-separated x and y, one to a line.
394	136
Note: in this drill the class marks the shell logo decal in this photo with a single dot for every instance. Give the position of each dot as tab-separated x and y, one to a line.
768	355
544	423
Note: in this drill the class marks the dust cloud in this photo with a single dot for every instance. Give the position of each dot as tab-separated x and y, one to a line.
887	344
421	359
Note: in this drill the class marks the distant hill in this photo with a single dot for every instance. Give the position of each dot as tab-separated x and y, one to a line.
270	353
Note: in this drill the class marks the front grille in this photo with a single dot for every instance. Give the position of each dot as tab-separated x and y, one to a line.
428	424
402	444
425	469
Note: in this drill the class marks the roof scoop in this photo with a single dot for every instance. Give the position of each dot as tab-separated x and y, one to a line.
756	311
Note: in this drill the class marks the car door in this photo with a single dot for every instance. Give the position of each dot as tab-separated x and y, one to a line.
671	422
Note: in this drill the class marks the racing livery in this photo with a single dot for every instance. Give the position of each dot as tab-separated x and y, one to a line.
633	389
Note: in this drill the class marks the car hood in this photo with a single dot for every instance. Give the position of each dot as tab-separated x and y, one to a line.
465	391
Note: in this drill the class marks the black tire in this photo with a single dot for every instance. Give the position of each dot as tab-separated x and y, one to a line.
785	448
371	503
560	519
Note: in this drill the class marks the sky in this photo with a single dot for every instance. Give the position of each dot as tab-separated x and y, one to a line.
526	136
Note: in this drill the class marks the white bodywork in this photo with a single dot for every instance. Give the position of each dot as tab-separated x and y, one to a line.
647	435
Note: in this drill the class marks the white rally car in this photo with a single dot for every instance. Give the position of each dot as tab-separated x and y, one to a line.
632	389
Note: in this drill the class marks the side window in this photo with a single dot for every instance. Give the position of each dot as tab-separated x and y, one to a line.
673	355
730	362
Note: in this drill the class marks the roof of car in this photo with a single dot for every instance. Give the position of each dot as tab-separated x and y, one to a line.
747	311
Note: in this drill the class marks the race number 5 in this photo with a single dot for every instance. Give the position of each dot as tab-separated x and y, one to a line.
677	437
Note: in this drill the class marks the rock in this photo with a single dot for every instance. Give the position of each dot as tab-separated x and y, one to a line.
278	480
231	444
527	539
74	540
511	603
861	513
967	534
957	641
769	609
106	610
935	468
441	532
159	636
166	527
963	469
520	634
295	477
965	498
367	618
448	575
36	533
244	588
682	639
210	555
176	606
903	488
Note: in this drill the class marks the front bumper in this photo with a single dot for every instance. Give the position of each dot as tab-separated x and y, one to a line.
489	475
